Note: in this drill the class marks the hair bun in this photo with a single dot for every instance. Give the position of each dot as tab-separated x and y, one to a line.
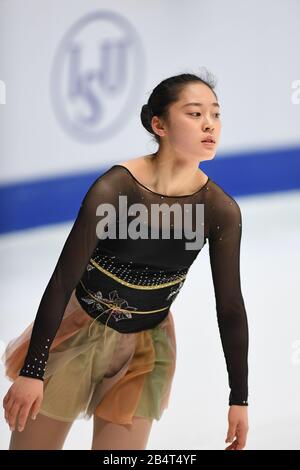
146	116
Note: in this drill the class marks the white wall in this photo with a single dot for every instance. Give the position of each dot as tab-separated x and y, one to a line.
251	47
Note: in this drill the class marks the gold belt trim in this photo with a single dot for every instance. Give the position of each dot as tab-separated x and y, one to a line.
135	286
115	307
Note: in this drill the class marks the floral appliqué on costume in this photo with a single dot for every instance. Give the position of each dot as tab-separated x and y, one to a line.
111	305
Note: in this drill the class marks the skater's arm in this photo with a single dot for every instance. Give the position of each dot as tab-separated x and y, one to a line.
74	257
224	250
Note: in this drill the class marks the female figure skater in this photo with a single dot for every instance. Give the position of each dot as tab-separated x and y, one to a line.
103	340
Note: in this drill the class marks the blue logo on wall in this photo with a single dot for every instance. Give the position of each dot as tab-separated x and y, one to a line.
97	76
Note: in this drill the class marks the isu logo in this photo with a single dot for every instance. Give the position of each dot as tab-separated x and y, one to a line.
97	76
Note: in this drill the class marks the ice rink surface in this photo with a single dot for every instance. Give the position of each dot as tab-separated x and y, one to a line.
197	413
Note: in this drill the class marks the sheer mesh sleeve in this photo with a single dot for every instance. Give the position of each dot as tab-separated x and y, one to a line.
72	261
224	251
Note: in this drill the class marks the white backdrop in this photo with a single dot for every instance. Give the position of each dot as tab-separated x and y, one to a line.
253	49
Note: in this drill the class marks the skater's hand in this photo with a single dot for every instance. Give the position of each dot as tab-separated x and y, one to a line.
24	396
237	428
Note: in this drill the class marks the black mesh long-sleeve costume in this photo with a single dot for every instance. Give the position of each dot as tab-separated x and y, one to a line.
129	282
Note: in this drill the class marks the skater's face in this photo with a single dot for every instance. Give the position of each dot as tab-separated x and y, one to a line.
189	124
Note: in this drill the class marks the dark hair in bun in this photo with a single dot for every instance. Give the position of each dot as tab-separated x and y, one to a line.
146	116
166	93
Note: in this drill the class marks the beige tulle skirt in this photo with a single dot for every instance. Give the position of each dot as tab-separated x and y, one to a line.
111	374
